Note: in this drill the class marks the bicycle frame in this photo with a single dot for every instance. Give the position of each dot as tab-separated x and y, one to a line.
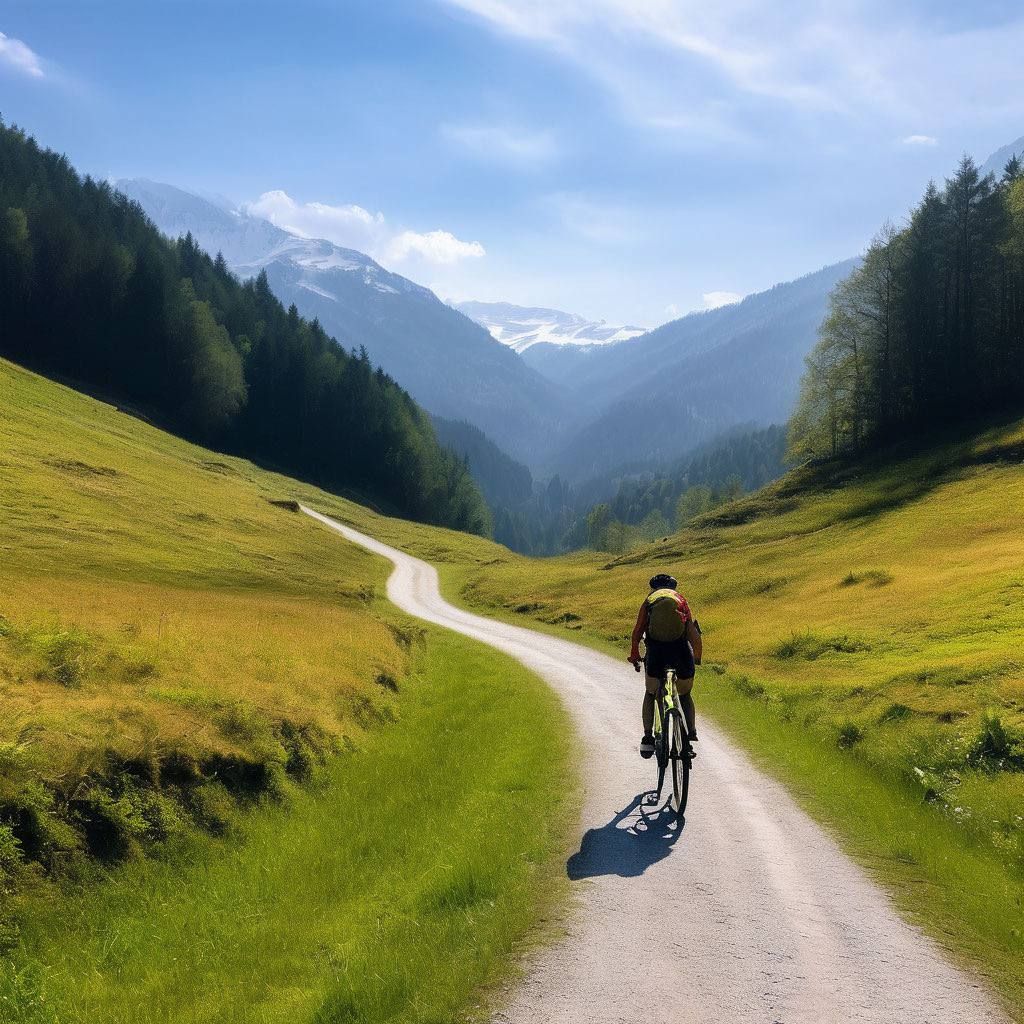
665	705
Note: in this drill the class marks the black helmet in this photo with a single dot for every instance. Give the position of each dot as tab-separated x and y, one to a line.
663	581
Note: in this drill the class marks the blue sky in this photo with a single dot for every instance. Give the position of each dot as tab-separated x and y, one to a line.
626	159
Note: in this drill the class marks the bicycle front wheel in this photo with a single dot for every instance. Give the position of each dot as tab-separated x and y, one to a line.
679	759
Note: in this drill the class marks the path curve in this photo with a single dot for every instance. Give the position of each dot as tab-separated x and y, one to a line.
768	921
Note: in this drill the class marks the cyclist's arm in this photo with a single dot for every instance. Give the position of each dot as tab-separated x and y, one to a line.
696	641
638	633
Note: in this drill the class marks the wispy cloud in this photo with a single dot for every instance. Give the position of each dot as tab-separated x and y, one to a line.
502	143
919	140
594	220
712	70
714	300
354	227
17	55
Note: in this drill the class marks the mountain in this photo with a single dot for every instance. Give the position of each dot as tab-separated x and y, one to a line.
522	327
217	228
449	364
553	390
705	373
1001	157
91	291
502	480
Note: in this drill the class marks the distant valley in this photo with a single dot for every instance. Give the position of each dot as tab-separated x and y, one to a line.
558	392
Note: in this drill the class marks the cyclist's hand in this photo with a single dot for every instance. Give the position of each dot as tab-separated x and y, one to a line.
634	661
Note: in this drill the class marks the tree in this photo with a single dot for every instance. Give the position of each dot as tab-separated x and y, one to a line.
89	289
929	329
598	522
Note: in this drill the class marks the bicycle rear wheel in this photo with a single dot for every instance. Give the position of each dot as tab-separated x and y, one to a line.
679	759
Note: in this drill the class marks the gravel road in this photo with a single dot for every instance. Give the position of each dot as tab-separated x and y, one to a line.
749	913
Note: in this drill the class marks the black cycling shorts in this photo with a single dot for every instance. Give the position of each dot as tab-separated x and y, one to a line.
675	654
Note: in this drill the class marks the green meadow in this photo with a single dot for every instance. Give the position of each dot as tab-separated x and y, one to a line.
863	635
235	783
863	631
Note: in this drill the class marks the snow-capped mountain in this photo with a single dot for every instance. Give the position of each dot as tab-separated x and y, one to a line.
521	327
217	227
449	364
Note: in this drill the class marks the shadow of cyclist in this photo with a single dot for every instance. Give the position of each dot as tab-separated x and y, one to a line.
629	844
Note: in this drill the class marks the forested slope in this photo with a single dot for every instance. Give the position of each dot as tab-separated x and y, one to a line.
930	329
90	290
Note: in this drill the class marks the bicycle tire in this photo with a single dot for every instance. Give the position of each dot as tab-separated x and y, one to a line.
679	758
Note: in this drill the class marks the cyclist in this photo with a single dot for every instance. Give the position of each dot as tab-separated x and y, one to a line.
672	637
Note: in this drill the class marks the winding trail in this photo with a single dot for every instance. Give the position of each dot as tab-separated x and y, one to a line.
750	913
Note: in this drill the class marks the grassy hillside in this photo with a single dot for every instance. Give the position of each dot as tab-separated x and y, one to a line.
863	632
175	650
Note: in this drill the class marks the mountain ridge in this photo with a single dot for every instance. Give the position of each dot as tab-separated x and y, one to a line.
448	363
522	327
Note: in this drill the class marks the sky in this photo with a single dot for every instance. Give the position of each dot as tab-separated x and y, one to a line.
628	160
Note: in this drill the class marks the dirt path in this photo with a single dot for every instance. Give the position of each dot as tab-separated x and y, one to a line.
750	913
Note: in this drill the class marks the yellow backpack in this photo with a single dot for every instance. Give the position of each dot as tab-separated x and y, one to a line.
665	621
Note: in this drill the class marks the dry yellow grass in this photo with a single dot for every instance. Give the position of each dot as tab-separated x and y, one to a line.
155	607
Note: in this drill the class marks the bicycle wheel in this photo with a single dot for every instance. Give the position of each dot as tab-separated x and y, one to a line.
679	758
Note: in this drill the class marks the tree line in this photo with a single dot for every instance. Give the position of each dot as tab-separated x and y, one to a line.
929	329
90	290
649	506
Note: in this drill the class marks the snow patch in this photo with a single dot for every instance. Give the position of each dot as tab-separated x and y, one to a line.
318	291
521	327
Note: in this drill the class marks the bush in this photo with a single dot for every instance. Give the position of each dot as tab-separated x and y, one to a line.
895	713
811	646
997	748
849	734
872	577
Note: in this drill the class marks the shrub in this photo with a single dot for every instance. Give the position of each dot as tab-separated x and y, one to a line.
41	834
895	713
65	654
872	577
997	748
747	687
113	825
810	646
849	734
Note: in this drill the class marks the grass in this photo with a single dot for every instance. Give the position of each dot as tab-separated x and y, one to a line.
207	708
867	627
865	631
389	892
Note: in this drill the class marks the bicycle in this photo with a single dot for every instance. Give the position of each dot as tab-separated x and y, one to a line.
671	744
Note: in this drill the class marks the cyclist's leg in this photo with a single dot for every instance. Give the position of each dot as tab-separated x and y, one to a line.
651	684
684	689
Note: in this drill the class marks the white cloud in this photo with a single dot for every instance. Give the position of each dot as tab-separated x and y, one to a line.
433	246
919	140
672	310
714	300
354	227
350	226
15	54
502	143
